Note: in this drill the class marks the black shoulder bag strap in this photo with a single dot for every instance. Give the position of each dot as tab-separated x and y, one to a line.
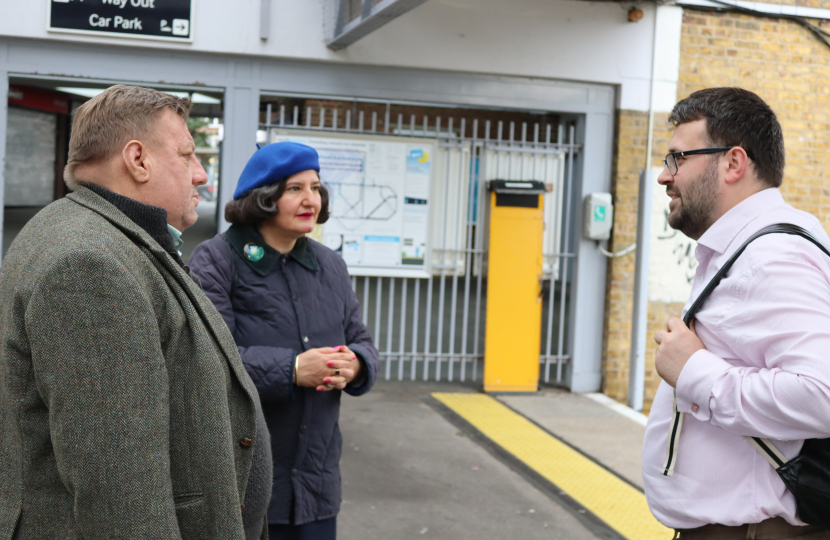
677	417
807	476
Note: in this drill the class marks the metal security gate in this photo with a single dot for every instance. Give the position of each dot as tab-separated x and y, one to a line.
433	328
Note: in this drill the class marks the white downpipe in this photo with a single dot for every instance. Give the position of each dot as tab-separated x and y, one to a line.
639	320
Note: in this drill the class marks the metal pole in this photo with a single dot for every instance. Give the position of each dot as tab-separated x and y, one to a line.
639	326
563	286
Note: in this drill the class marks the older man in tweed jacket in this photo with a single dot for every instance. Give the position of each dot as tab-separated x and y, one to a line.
125	411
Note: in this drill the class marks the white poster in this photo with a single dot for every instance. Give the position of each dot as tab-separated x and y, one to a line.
378	199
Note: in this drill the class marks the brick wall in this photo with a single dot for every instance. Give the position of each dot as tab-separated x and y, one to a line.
788	67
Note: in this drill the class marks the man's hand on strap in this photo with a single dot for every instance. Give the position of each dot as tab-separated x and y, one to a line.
675	346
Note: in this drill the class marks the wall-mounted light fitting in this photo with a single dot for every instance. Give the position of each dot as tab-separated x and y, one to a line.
635	14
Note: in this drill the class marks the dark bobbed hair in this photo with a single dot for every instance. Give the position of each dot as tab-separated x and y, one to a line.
260	205
738	117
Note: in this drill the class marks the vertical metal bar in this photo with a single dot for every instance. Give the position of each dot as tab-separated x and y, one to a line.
389	328
468	253
282	115
400	123
360	121
443	285
415	322
511	156
412	125
348	119
456	249
267	114
374	121
482	200
565	261
378	294
354	284
403	329
386	118
365	305
426	125
296	115
551	277
322	118
427	341
334	119
308	117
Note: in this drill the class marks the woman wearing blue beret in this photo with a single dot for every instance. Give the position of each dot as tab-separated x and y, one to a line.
289	303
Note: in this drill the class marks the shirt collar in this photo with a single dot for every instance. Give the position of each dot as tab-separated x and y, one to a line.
241	236
177	238
721	234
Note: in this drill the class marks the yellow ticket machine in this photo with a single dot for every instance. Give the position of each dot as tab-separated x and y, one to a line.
514	287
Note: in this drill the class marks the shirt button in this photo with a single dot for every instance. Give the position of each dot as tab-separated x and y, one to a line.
305	339
242	507
303	429
294	472
695	407
246	443
283	260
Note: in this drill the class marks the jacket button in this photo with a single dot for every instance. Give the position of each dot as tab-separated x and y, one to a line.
305	339
303	429
246	443
295	472
242	507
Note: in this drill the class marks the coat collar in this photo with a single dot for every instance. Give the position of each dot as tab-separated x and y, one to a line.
187	287
241	236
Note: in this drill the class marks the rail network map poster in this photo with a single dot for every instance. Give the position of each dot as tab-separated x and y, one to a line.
379	202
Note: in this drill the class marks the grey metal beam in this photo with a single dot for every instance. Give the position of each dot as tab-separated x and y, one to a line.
371	18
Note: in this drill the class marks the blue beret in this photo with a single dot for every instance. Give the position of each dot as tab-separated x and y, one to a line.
275	162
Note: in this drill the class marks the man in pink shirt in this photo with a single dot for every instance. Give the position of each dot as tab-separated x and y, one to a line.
756	361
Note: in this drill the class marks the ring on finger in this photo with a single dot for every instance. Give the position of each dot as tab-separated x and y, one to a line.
329	385
337	372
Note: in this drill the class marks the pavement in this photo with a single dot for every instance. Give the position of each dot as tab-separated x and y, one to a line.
414	468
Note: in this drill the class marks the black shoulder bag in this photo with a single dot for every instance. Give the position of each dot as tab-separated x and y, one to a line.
807	476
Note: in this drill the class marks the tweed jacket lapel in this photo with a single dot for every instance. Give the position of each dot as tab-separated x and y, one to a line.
205	309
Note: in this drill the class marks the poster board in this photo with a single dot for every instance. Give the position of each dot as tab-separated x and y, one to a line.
379	200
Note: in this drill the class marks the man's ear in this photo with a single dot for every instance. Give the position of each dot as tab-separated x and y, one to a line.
737	163
135	161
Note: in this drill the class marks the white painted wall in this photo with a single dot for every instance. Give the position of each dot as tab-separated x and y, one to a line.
557	39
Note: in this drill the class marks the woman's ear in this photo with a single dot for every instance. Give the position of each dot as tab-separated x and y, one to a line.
136	161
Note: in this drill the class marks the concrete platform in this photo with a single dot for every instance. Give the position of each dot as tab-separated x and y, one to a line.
412	471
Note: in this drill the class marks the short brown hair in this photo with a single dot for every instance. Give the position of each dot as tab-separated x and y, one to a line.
738	117
104	124
260	205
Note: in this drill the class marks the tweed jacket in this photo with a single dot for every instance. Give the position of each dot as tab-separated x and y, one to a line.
125	411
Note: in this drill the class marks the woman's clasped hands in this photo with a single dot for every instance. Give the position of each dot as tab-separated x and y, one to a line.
327	368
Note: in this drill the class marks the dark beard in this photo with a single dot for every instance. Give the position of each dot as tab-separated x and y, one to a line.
693	217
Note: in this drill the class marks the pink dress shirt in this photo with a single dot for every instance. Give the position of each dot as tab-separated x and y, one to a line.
765	373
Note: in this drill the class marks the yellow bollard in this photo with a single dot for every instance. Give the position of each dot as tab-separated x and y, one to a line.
513	333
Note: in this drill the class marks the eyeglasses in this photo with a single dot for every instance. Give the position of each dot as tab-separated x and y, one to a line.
671	159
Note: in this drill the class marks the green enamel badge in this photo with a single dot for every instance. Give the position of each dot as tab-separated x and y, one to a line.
253	252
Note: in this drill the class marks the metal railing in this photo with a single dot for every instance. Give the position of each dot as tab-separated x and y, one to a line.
433	328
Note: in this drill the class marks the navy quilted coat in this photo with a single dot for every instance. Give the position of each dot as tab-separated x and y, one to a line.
277	308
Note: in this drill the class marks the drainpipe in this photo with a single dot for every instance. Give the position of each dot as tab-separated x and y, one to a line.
639	319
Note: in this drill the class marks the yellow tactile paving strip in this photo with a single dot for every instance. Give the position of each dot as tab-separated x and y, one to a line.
619	505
